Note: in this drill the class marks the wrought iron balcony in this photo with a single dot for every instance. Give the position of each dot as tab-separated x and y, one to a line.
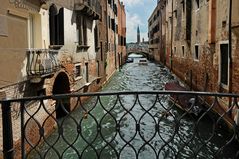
119	125
42	62
89	7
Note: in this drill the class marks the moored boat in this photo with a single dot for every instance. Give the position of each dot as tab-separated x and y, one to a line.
189	103
129	60
143	61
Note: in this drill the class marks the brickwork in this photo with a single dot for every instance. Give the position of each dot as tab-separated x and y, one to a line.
100	58
196	57
121	32
155	33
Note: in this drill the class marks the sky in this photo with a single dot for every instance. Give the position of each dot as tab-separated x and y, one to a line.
137	13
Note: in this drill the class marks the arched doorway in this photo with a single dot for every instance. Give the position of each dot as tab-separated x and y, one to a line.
62	86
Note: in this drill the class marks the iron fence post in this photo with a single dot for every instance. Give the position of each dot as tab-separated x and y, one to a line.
8	148
23	151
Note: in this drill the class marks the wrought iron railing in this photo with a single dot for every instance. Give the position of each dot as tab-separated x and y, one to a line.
122	125
41	62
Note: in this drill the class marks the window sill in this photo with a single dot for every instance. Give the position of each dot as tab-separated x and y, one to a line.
82	48
196	60
224	86
55	47
78	78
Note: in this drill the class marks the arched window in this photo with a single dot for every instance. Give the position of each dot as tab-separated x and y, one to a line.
56	24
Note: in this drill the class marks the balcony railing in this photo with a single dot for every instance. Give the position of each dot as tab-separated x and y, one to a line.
120	125
89	7
42	62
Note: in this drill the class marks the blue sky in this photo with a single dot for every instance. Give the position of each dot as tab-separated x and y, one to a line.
137	13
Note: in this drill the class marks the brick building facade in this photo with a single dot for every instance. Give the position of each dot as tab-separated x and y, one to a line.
121	33
201	43
56	47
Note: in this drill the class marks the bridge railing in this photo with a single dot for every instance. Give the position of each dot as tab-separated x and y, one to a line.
120	125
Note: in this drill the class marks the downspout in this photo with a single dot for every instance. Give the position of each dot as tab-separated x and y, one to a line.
115	52
171	55
230	53
107	40
164	40
121	32
107	26
161	38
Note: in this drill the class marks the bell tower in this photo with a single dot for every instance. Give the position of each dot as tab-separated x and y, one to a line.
138	35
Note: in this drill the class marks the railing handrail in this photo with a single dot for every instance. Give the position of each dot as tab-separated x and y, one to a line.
89	94
37	117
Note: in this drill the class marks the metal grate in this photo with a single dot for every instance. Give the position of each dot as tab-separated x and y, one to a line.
122	125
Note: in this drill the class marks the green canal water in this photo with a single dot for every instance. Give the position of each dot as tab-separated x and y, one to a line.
133	77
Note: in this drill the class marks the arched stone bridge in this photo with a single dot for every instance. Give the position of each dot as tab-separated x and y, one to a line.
140	51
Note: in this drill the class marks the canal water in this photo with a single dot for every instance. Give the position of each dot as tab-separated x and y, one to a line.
108	112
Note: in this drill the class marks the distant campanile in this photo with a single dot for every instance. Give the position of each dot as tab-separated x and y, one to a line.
138	35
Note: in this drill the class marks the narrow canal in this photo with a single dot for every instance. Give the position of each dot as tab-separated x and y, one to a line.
128	143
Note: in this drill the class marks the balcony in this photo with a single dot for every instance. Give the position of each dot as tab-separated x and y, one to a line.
91	8
41	63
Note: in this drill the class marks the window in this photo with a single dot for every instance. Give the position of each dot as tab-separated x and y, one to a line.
56	24
98	68
96	38
78	71
197	4
183	4
196	55
109	21
224	64
176	14
175	50
113	24
188	20
86	72
82	30
183	54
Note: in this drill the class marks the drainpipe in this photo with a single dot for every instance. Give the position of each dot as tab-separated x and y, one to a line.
115	52
230	53
161	38
107	26
171	55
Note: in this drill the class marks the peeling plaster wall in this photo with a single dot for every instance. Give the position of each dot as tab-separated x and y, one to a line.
70	34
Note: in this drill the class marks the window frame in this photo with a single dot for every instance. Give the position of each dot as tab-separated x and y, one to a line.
224	85
75	71
82	31
183	51
196	58
56	26
197	5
